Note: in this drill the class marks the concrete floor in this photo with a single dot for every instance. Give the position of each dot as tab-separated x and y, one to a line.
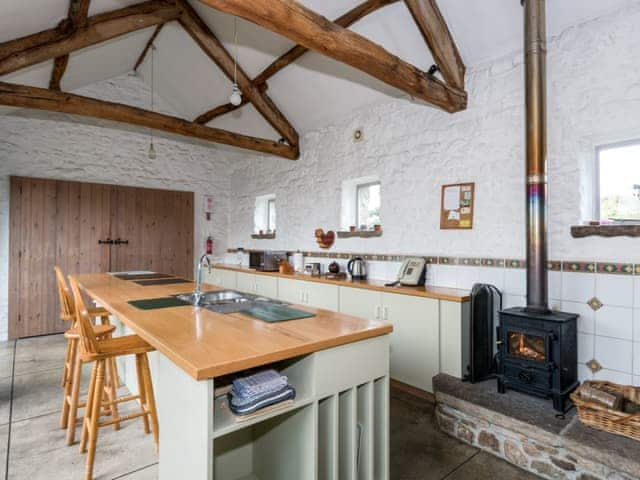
33	447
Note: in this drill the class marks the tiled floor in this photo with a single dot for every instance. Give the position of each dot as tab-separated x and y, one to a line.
32	447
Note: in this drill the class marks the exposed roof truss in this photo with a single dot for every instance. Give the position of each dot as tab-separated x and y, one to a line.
286	17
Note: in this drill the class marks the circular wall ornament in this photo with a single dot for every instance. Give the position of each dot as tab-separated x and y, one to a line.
358	135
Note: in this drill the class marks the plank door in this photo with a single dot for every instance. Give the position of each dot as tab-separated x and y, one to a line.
155	228
51	223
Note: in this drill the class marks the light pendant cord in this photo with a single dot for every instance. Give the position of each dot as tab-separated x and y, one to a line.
235	41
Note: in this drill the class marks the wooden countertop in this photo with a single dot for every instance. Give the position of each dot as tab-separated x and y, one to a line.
207	344
428	291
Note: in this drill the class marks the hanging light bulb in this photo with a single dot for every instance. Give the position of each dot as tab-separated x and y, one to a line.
236	94
152	151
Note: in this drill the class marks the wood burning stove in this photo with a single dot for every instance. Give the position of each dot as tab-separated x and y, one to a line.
538	354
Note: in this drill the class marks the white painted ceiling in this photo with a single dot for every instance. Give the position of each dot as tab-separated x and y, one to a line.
314	91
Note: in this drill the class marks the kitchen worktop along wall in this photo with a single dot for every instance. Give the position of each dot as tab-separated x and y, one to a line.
37	144
593	96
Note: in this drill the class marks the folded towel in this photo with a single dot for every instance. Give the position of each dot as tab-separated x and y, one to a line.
260	383
238	401
282	395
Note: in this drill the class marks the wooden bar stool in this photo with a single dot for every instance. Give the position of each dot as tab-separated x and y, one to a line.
102	352
72	372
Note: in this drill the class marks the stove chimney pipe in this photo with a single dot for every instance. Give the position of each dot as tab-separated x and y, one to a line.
535	48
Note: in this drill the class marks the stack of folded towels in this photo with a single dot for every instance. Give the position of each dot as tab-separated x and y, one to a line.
259	390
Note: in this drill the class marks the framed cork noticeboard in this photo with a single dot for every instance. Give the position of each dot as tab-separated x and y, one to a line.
456	207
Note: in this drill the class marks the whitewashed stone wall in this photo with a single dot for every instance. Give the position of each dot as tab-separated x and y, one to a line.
594	98
56	146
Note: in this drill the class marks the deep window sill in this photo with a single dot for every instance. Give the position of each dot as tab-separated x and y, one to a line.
360	233
263	236
582	231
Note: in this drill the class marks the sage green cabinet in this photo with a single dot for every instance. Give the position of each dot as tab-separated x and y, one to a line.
222	278
317	295
415	341
263	285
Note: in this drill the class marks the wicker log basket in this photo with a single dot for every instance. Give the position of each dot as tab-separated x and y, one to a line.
598	416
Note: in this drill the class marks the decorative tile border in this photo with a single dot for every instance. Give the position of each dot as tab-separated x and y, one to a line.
578	266
619	268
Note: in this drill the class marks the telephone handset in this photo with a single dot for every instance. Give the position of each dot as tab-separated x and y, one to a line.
411	273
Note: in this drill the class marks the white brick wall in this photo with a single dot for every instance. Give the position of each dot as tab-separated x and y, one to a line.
594	97
54	146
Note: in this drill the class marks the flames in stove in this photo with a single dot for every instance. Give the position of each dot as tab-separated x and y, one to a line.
528	347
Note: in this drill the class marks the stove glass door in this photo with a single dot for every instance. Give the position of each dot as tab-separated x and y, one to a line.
526	346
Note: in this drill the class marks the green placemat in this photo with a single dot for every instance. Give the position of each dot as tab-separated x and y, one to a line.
276	313
154	303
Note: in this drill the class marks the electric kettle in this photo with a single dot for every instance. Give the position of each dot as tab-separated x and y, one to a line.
357	268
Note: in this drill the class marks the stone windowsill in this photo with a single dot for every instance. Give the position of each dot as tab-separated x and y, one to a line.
360	233
618	230
263	236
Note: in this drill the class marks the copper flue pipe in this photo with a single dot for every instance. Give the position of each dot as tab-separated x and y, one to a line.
535	48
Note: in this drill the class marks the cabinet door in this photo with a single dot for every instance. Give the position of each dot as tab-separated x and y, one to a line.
290	290
266	286
320	295
246	282
222	278
415	351
361	303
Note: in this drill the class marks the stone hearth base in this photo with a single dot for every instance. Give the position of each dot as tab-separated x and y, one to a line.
524	431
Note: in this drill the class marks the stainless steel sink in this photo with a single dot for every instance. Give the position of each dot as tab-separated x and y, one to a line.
228	301
212	298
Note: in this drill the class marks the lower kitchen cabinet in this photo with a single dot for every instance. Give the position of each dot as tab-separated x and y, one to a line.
222	278
361	303
258	284
317	295
415	341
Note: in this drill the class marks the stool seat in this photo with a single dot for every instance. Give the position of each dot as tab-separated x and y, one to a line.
116	347
99	330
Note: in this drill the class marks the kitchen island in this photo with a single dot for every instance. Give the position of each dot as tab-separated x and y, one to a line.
337	426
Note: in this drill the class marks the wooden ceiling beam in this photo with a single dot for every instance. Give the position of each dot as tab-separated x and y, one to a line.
59	41
435	31
147	47
77	18
210	45
346	20
315	32
43	99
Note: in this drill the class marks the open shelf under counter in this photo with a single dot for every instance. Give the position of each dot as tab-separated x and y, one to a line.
300	374
226	422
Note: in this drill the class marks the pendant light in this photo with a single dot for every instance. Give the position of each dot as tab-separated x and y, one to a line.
152	150
236	94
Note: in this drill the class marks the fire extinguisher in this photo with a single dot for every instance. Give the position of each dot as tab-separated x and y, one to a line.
209	248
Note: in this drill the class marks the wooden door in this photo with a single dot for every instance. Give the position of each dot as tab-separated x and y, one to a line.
55	222
51	223
153	230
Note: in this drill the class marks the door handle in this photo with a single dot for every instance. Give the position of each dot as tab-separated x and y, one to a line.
385	313
121	242
376	311
108	241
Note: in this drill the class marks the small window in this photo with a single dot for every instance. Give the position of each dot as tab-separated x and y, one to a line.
264	217
361	202
271	215
368	204
618	182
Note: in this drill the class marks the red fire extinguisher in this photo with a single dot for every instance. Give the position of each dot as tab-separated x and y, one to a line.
209	245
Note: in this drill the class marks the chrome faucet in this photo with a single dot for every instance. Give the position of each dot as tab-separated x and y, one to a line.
197	294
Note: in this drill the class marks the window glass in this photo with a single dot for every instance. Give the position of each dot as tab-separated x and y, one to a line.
271	214
619	182
368	204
